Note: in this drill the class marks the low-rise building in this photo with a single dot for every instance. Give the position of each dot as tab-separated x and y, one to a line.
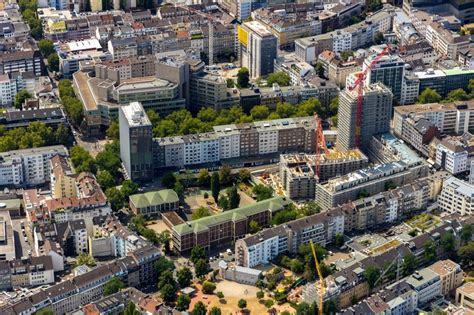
232	272
465	296
7	239
154	203
224	227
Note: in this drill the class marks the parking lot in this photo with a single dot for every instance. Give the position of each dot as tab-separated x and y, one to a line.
23	239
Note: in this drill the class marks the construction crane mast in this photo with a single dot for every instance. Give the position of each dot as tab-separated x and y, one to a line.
322	284
359	83
210	20
320	144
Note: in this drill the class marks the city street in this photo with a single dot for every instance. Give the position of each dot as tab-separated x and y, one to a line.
22	247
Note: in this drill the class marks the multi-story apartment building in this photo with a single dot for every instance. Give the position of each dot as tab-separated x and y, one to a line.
289	22
135	141
210	90
28	167
225	227
297	171
451	276
266	245
71	236
32	271
8	90
63	181
456	196
263	138
257	48
465	296
452	156
22	61
376	114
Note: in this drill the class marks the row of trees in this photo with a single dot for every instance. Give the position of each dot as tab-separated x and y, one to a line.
182	122
46	47
28	11
429	95
37	134
71	104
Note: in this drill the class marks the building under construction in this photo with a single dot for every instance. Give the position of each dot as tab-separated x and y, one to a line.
299	177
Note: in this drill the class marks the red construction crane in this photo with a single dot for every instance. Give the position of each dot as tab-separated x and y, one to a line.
320	144
359	83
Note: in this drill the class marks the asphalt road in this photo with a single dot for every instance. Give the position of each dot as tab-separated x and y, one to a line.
21	246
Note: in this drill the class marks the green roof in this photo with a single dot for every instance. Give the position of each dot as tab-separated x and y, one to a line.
200	225
458	71
154	198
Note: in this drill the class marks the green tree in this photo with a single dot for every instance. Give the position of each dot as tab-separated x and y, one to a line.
201	268
379	38
466	253
242	303
168	180
230	83
163	264
199	309
179	189
259	112
207	114
85	259
372	273
296	266
306	309
457	95
268	303
197	253
113	132
131	309
105	179
46	47
182	303
215	186
448	243
53	62
430	251
345	55
204	179
319	68
220	295
165	278
409	264
115	198
45	311
208	287
279	77
466	233
108	160
200	212
339	240
334	106
244	175
234	198
21	97
215	311
254	227
224	203
243	77
112	286
285	110
81	160
428	96
128	188
225	174
262	192
260	294
62	134
184	276
168	293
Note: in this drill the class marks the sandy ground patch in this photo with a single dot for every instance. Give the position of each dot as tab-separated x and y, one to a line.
158	226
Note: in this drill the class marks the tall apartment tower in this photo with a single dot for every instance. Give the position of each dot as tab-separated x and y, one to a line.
257	48
389	70
136	141
376	114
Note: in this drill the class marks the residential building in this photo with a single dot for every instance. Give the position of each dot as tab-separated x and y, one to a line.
426	283
234	143
456	196
154	203
63	179
297	171
51	117
135	141
267	244
32	271
8	90
451	276
28	167
7	239
257	48
465	296
452	156
389	70
22	61
471	173
375	116
418	132
232	272
224	227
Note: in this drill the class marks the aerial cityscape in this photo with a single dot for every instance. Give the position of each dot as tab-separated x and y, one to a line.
215	157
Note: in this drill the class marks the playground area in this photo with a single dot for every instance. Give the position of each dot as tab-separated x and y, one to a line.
195	198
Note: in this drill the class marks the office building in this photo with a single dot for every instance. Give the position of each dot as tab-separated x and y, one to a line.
210	90
226	227
452	156
389	70
426	283
136	141
456	197
257	48
375	116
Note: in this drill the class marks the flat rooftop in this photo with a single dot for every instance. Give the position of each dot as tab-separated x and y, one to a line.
258	28
135	114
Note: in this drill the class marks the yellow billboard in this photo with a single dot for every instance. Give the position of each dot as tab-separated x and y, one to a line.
242	35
